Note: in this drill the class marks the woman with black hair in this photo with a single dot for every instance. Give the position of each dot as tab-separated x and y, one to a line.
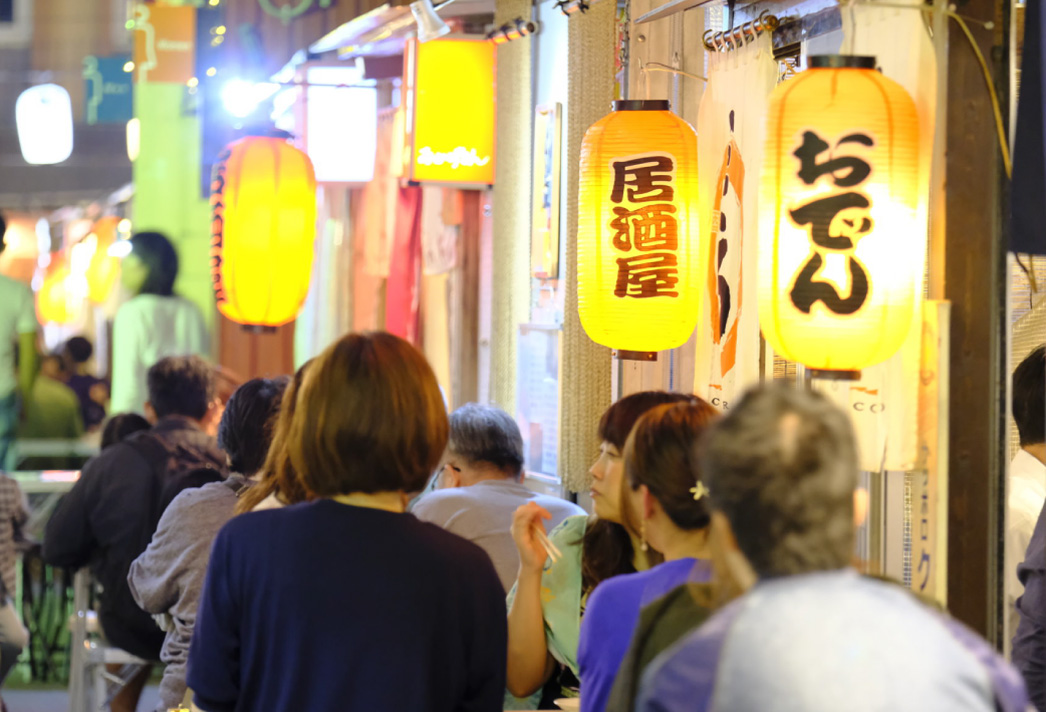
167	578
154	323
547	602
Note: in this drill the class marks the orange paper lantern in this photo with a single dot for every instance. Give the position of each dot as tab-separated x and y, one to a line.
841	245
263	226
104	269
638	255
54	302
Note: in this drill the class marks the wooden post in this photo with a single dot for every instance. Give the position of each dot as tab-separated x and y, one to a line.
975	284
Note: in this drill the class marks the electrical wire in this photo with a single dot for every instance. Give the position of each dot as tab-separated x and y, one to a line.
996	108
658	67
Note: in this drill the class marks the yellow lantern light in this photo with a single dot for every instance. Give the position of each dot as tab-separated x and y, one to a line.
54	302
263	226
638	254
104	268
842	249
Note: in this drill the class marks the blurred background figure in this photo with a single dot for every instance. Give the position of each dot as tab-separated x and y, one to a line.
18	330
93	392
14	513
52	412
154	324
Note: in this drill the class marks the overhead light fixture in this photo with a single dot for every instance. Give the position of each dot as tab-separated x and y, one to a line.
512	31
430	26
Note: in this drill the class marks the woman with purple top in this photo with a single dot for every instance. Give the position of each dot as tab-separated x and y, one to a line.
664	504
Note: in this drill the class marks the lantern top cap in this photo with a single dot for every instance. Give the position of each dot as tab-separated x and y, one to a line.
841	61
641	105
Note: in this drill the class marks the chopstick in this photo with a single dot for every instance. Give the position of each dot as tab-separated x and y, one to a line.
553	551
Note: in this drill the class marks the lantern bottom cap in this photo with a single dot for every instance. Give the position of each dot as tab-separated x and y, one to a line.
825	374
626	355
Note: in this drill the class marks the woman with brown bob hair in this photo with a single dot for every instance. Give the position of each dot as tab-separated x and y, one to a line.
547	602
346	603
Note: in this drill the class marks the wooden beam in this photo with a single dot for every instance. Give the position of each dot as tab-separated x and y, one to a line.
975	283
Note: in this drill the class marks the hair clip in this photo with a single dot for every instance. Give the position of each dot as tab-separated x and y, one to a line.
699	491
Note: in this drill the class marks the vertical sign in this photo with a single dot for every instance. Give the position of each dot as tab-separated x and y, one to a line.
164	42
108	90
451	105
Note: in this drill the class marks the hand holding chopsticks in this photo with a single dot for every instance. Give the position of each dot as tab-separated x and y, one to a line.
553	551
528	531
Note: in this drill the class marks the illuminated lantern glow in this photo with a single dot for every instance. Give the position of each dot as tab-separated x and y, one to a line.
638	251
134	139
842	249
54	301
263	226
44	116
104	268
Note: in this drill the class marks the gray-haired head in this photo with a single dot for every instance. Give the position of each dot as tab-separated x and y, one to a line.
782	467
486	435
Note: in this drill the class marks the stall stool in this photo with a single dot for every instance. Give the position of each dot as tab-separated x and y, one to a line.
91	686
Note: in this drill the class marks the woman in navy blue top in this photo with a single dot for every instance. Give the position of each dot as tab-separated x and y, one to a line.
346	603
664	502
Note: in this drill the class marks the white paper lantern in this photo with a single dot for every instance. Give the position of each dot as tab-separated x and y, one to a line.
44	115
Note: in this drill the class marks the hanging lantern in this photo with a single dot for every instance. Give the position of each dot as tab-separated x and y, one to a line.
263	225
104	268
637	246
44	116
841	252
54	301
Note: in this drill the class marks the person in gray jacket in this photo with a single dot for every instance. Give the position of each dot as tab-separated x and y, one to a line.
167	578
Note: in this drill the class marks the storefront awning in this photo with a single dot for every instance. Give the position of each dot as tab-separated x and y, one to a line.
382	31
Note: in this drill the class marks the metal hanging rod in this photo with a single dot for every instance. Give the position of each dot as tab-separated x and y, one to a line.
740	35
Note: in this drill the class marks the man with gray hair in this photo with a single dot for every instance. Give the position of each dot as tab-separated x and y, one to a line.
481	481
812	634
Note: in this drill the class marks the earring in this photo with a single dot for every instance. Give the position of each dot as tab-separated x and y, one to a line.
643	546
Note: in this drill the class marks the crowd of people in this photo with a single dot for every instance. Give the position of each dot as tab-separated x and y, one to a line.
335	540
274	554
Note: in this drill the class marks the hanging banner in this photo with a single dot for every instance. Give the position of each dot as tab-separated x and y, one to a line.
108	97
884	404
730	125
164	43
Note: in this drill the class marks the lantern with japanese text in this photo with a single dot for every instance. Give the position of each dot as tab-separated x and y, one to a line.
638	255
263	225
842	245
54	301
104	269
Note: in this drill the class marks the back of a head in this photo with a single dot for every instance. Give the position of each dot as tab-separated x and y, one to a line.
3	231
79	349
370	418
246	427
486	434
661	453
618	419
782	466
160	258
121	426
181	385
1029	398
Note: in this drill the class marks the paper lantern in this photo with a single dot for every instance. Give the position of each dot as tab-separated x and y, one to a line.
263	225
44	116
638	256
841	246
104	268
54	301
